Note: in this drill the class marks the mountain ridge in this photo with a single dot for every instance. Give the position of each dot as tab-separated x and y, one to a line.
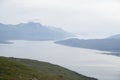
117	36
31	31
111	45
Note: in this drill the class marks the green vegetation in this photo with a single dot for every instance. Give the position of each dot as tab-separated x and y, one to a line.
25	69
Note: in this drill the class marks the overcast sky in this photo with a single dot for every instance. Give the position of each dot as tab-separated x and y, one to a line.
86	17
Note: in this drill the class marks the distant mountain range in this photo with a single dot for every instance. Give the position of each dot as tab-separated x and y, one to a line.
111	44
115	36
31	31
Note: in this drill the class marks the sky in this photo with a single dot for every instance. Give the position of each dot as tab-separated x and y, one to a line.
95	18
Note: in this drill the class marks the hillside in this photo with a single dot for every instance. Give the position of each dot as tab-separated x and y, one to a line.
112	45
25	69
31	31
117	36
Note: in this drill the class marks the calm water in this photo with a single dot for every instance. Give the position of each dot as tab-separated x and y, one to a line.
84	61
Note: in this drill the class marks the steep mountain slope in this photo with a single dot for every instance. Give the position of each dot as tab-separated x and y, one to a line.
31	31
24	69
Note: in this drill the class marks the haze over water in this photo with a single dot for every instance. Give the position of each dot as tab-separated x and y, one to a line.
84	61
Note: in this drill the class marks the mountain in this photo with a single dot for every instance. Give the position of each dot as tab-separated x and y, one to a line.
26	69
31	31
115	36
112	45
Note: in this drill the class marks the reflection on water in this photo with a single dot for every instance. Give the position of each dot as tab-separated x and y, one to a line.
85	61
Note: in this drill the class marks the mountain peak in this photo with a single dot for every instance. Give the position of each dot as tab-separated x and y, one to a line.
117	36
33	23
32	31
30	24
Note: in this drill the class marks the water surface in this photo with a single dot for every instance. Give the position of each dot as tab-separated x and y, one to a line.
84	61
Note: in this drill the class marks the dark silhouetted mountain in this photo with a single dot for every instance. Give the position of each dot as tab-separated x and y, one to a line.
115	36
31	31
112	45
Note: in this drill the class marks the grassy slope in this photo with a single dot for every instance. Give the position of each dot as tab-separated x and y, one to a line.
25	69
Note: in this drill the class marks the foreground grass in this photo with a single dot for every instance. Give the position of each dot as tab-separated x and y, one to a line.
25	69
